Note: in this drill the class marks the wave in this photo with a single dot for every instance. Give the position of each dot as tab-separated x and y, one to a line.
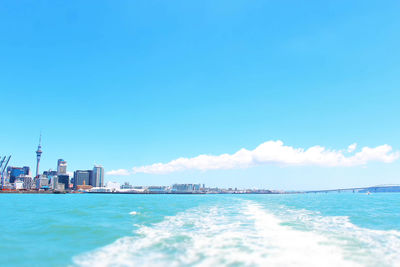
247	234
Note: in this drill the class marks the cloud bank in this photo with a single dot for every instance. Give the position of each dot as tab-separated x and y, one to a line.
120	172
272	152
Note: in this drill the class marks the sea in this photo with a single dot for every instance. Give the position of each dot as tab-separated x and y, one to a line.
334	229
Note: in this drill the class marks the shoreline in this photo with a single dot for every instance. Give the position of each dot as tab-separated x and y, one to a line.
139	193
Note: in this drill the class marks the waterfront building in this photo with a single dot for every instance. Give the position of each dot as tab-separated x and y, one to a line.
61	166
54	182
60	187
84	186
82	177
14	172
18	185
50	175
126	185
42	182
97	178
157	189
26	180
114	186
196	187
183	188
101	190
63	179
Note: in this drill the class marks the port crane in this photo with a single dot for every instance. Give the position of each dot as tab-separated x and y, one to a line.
3	169
2	161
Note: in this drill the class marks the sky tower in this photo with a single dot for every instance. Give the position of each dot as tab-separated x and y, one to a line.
38	155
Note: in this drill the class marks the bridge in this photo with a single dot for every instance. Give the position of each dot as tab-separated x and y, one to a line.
371	189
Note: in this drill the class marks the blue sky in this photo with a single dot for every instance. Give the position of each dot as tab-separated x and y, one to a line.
132	83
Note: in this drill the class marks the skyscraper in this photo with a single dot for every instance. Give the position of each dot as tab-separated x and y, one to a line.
38	155
82	177
97	179
14	172
64	179
61	166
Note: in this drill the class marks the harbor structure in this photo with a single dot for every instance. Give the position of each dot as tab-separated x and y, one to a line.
3	166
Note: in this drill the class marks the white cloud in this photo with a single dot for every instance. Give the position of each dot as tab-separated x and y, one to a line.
120	172
352	148
275	152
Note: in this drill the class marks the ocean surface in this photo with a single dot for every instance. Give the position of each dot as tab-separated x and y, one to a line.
336	229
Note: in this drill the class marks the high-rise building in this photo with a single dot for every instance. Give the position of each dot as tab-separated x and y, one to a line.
26	180
61	166
42	182
82	177
14	172
50	175
54	182
64	179
38	155
97	179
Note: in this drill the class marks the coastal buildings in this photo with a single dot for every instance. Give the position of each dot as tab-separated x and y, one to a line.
14	172
185	188
94	178
82	177
92	181
64	179
83	187
27	181
19	178
52	180
157	189
42	182
126	185
114	186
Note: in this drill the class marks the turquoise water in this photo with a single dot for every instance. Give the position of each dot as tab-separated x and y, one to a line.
201	230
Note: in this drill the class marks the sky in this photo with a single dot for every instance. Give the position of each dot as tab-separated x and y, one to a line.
285	95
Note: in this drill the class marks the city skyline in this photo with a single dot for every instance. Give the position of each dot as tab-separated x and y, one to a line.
200	133
136	85
274	153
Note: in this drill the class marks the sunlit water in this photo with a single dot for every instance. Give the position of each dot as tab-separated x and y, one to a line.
200	230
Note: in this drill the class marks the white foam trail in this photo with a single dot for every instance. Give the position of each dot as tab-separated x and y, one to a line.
133	213
366	246
247	235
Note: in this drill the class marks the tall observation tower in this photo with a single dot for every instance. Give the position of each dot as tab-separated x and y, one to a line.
38	155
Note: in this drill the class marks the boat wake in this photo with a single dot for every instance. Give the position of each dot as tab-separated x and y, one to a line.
247	234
